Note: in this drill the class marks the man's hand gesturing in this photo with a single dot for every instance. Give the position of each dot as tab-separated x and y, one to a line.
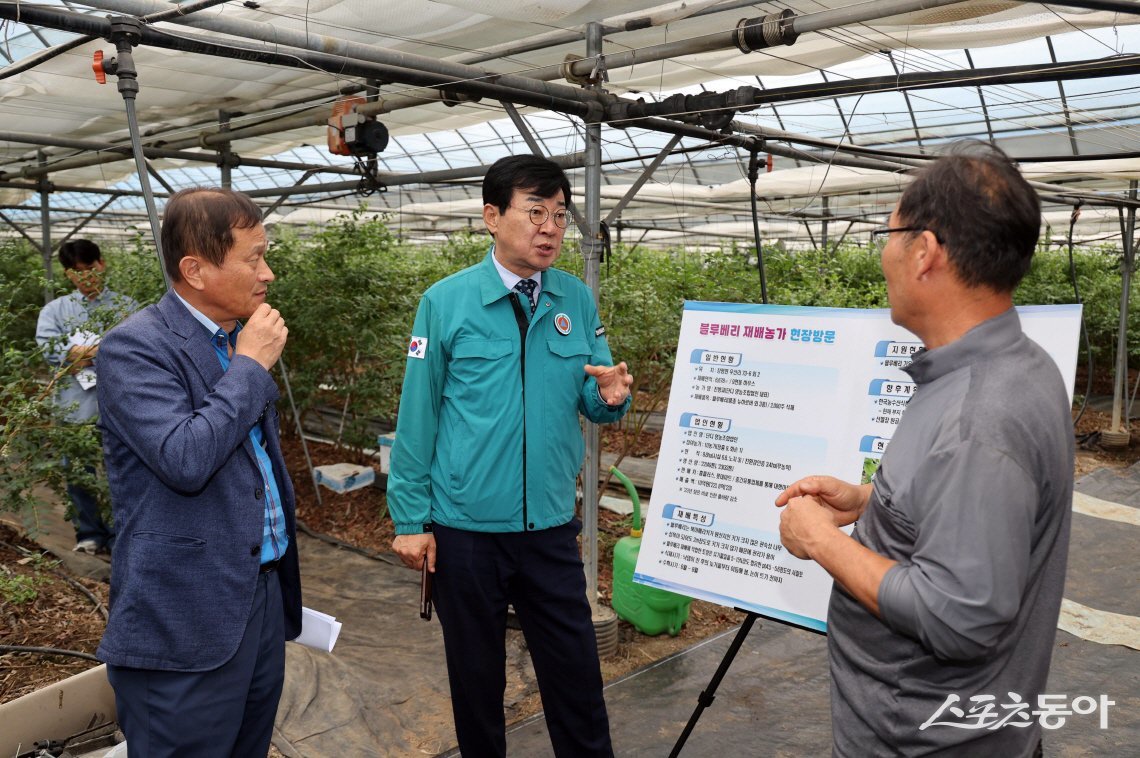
614	382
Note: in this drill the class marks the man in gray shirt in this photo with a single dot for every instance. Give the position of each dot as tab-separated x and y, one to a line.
943	616
68	332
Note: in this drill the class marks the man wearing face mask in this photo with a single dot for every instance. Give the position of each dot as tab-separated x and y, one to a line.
68	331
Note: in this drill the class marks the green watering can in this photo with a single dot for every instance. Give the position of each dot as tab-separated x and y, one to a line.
649	609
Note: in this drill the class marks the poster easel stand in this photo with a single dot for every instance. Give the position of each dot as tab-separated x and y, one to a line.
705	699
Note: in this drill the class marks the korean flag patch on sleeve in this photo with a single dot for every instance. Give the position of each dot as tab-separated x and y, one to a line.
417	347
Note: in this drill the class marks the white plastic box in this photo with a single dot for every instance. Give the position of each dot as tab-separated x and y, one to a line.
384	448
344	477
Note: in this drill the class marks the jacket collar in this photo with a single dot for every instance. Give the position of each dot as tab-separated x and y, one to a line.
491	286
196	340
989	337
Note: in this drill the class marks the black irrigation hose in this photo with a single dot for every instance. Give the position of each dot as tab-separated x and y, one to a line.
753	175
47	651
1084	327
102	609
301	527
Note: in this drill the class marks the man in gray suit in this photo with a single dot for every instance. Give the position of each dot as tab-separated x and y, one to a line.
205	585
947	592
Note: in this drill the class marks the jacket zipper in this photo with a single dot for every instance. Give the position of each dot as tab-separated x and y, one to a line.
524	325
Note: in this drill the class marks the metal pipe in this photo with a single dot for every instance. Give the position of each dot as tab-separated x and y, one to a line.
753	175
45	236
44	56
90	217
342	49
796	25
125	34
1128	232
353	59
823	223
659	125
181	10
318	117
609	26
123	152
35	186
718	107
1112	6
312	189
641	180
1121	65
19	230
224	155
536	94
591	248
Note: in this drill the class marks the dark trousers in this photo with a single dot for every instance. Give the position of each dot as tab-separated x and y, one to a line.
228	711
88	521
540	574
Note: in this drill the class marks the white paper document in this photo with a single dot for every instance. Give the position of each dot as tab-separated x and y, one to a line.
85	376
318	630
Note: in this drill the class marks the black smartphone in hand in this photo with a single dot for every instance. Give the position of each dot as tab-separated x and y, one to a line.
425	592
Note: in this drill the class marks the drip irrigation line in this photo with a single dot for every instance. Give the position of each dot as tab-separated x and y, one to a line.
47	651
99	607
373	554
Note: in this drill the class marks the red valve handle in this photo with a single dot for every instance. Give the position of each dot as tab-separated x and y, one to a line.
97	67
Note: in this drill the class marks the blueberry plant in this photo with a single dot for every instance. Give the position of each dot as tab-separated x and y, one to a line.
348	291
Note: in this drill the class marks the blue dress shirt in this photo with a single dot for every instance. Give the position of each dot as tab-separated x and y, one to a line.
274	540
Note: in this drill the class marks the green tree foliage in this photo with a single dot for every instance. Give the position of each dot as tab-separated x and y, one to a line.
1098	274
135	271
35	438
349	294
349	291
22	285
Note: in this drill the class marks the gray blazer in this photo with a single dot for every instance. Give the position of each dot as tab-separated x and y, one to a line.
187	494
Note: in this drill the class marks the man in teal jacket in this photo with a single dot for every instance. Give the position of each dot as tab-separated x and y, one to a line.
503	358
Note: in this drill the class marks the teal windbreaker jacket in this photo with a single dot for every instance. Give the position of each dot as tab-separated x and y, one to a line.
477	447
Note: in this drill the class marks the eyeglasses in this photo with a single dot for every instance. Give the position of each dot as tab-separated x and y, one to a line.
539	215
882	235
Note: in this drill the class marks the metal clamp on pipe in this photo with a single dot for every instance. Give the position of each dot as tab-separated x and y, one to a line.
598	74
765	31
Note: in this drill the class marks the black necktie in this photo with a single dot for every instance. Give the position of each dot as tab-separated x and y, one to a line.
526	286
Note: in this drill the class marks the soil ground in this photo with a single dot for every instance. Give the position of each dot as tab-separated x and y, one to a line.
41	605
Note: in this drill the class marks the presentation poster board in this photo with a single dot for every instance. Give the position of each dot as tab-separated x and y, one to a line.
763	395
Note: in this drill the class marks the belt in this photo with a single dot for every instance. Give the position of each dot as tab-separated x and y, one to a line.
270	566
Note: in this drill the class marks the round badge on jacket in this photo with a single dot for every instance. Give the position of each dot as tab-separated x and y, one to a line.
562	323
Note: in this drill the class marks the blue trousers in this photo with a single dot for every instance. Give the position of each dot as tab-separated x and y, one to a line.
228	711
88	521
540	574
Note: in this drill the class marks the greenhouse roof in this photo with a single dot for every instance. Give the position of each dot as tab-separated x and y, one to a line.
848	97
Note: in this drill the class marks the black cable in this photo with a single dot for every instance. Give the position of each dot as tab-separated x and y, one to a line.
607	246
125	34
1076	214
753	175
373	554
47	651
